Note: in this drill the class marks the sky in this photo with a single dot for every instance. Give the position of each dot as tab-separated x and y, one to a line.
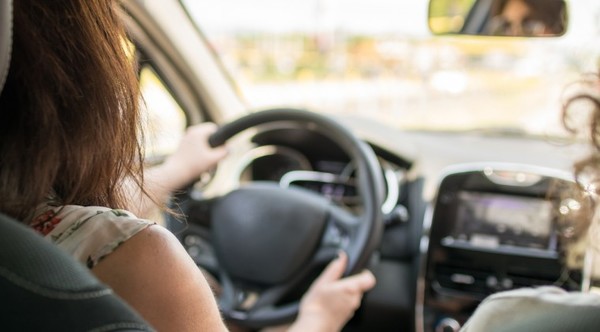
407	17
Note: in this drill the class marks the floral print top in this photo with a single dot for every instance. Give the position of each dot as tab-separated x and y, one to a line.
88	233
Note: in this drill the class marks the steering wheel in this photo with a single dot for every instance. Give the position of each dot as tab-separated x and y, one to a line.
268	239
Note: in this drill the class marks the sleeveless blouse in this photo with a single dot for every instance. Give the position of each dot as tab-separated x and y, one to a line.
88	233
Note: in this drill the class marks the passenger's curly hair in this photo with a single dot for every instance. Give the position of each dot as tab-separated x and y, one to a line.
584	104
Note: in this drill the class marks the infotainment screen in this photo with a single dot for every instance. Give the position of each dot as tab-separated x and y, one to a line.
488	220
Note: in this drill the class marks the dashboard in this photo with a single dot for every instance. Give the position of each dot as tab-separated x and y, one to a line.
493	227
303	157
465	215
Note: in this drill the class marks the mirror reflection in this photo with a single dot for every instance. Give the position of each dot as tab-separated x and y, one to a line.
520	18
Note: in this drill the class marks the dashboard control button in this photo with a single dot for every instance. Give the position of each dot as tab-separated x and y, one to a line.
507	283
447	325
491	282
460	278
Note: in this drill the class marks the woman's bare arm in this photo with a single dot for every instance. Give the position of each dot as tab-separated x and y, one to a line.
155	275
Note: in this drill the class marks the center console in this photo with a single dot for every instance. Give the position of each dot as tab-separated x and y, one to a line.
492	228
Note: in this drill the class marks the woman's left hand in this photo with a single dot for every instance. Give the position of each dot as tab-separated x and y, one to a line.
194	156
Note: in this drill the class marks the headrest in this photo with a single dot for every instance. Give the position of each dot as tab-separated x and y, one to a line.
6	22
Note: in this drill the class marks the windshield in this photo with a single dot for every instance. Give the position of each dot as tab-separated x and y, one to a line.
378	59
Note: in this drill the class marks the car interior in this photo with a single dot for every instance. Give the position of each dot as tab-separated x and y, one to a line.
442	218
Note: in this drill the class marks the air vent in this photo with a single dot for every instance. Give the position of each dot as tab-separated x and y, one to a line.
480	283
520	281
470	281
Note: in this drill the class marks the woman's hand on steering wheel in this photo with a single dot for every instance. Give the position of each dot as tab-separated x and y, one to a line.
330	301
194	155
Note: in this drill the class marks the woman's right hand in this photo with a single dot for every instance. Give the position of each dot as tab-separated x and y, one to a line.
330	301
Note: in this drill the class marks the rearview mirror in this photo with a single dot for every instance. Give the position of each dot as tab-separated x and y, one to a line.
522	18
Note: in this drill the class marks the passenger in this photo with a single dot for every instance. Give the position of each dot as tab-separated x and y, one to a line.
527	18
70	156
551	308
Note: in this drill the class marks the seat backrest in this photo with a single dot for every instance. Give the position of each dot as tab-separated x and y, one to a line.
41	287
44	289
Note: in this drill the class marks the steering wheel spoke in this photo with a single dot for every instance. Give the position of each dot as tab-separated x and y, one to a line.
340	230
255	304
247	300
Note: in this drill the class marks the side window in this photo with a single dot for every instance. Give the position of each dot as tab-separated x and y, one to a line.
164	120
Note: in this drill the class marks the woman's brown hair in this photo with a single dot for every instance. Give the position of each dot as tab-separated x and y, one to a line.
69	115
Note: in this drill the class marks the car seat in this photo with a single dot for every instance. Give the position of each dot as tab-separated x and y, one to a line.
41	287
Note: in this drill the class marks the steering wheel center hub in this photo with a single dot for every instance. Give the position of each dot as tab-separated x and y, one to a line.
265	234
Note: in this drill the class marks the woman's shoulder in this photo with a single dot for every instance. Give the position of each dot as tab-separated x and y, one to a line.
88	233
531	308
154	273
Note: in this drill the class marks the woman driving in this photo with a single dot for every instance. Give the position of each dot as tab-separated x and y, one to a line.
71	167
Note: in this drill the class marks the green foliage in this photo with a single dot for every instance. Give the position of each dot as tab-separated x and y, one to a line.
443	8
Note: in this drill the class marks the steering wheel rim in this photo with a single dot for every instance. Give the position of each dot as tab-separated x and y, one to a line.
364	230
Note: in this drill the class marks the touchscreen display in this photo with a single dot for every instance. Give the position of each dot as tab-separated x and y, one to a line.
493	220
